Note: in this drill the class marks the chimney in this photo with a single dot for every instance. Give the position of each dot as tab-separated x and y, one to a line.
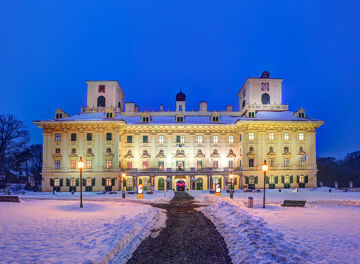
203	106
229	108
161	108
130	107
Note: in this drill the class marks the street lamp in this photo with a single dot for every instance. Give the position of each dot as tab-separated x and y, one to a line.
81	166
264	168
231	187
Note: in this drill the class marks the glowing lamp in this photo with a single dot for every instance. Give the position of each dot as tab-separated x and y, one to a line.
81	163
265	167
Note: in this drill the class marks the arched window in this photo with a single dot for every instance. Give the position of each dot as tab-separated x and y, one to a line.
286	149
101	101
199	184
161	184
301	149
243	104
265	98
251	149
271	149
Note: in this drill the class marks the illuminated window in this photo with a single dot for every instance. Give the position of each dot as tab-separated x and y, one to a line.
215	164
57	137
271	162
161	165
251	136
287	179
271	136
161	139
286	162
88	182
88	164
129	165
286	136
215	139
73	164
271	180
199	165
199	139
301	179
57	164
301	161
56	182
251	180
231	139
301	136
180	165
72	182
108	182
180	139
108	164
145	165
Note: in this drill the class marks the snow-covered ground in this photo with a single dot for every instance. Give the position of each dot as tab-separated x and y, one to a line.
325	231
156	197
58	231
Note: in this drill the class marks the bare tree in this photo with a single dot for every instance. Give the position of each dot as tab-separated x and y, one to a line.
36	162
13	140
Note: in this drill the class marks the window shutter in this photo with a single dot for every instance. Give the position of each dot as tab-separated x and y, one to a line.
297	179
113	181
256	179
103	181
51	182
67	182
246	180
77	181
306	179
61	182
276	179
93	182
267	180
282	179
291	179
124	183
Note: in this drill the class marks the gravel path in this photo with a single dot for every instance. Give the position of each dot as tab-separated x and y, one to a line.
189	237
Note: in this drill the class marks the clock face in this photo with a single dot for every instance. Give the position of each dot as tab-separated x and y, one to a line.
265	87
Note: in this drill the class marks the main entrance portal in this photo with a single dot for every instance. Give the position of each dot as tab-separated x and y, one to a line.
180	185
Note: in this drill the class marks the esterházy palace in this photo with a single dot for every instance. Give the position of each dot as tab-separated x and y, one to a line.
123	147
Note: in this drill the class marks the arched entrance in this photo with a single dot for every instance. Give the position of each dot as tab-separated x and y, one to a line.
199	184
180	185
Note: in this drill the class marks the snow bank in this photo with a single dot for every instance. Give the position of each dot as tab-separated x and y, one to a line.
248	239
45	231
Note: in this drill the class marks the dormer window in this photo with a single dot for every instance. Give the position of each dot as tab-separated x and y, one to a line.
302	115
252	114
145	118
109	115
179	118
215	117
58	116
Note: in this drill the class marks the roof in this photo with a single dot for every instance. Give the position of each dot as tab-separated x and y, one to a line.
189	120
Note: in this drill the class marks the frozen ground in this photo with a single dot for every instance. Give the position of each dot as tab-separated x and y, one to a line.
49	231
156	197
325	231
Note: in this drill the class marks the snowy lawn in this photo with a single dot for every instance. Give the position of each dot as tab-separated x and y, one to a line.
58	231
325	231
156	197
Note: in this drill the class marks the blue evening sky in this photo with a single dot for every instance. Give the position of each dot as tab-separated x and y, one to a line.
208	48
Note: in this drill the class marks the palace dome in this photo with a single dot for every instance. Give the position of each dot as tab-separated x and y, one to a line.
180	96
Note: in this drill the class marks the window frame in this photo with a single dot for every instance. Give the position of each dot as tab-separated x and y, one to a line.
57	137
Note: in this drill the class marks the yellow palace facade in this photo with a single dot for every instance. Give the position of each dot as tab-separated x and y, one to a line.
178	150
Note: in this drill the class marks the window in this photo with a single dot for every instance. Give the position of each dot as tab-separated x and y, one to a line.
287	179
89	151
215	139
88	182
271	136
57	164
286	135
73	151
129	165
179	119
265	98
231	139
145	165
199	139
129	139
57	150
199	165
145	139
57	137
271	162
180	165
286	149
89	136
108	164
271	180
301	161
301	136
129	182
301	179
108	150
58	116
215	164
252	114
271	149
72	182
108	182
251	136
251	180
101	101
240	137
145	119
101	88
73	137
251	162
302	115
215	118
56	182
251	149
73	164
88	164
161	139
286	162
108	136
180	139
231	164
161	165
109	115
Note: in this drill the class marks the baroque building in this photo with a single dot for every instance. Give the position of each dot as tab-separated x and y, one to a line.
123	146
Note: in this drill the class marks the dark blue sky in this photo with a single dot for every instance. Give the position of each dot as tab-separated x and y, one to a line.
208	48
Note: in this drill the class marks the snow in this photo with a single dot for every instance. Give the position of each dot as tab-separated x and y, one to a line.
326	230
58	231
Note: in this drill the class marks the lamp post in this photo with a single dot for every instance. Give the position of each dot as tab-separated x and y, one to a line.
264	168
231	187
121	182
81	166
